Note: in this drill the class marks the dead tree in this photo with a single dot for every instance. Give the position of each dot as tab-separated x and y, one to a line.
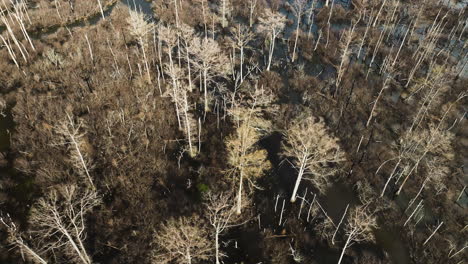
181	99
271	25
182	240
221	214
242	36
312	150
252	5
225	9
72	137
298	8
346	53
210	61
388	72
16	239
139	27
187	34
169	37
359	228
59	219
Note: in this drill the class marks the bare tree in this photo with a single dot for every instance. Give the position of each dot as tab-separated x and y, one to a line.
187	34
225	10
74	139
271	25
169	36
252	5
298	8
210	61
313	150
182	240
359	228
242	36
16	239
345	60
221	214
181	98
59	219
139	27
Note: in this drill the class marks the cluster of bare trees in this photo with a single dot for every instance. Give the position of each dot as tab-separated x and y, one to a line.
58	226
121	109
14	15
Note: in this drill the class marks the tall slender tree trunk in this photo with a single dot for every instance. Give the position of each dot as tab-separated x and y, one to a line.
390	178
174	88
189	257
100	8
204	19
217	247
299	178
188	68
176	14
223	22
146	60
241	62
297	36
346	245
272	48
187	124
205	73
239	193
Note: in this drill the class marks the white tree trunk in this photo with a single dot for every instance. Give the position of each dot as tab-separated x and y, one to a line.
339	224
433	233
389	178
176	14
299	178
297	36
187	125
205	73
82	255
272	48
83	163
346	245
241	62
217	246
223	14
239	193
100	8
